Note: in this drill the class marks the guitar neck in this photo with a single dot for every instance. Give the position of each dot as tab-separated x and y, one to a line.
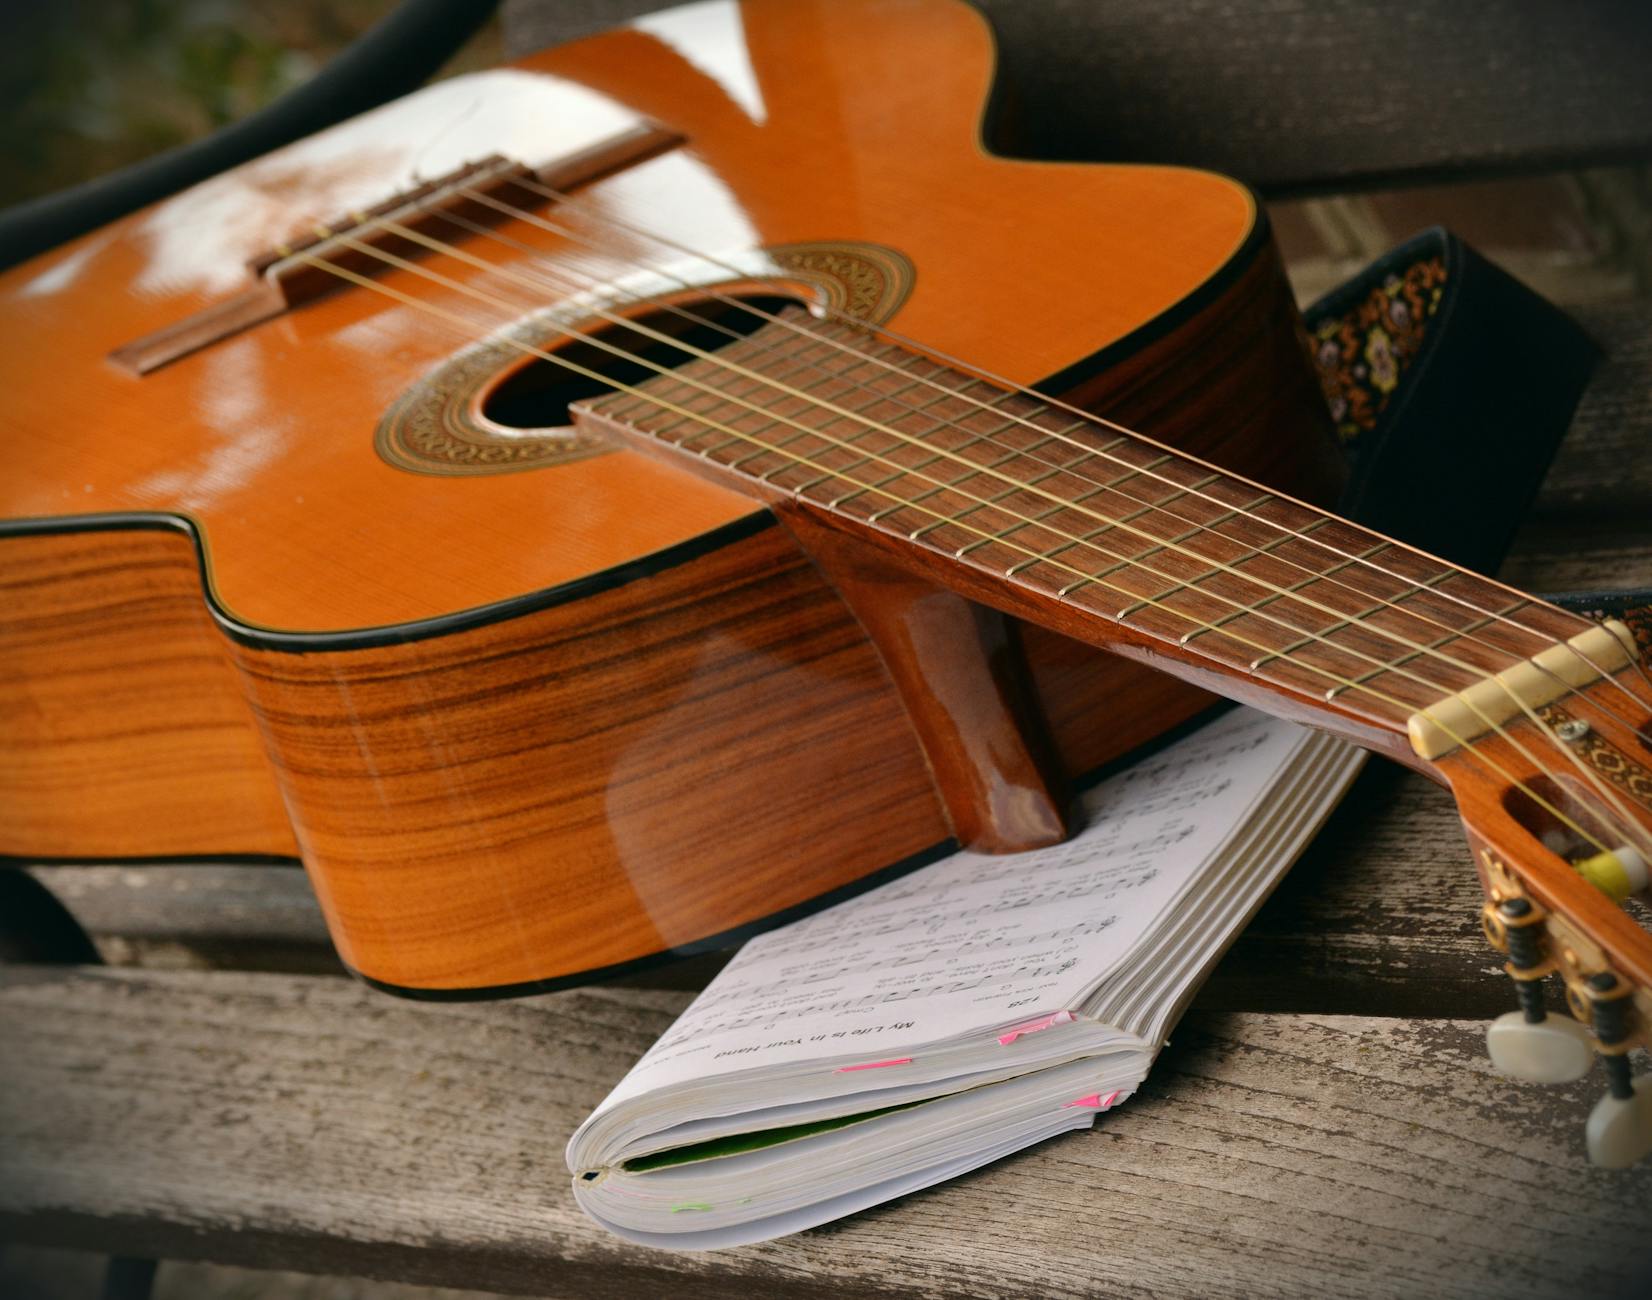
1098	533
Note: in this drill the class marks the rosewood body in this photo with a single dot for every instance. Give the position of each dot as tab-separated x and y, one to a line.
555	708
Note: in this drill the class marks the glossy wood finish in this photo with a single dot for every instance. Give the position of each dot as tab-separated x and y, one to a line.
597	782
848	125
963	681
672	743
1101	535
125	732
1511	857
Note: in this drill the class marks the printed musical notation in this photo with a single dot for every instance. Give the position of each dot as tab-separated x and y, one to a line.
976	942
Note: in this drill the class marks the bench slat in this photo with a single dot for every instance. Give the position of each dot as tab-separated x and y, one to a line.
1368	922
306	1122
1291	95
1602	473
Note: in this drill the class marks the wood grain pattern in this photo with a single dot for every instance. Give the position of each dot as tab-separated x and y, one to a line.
1217	581
1366	1155
966	689
522	788
1379	917
1602	478
596	782
309	529
123	725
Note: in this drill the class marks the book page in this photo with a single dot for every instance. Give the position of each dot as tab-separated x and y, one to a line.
976	941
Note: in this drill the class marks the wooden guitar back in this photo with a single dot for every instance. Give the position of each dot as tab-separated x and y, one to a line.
529	709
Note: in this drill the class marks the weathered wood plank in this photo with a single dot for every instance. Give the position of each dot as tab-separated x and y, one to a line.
1603	471
197	915
1550	556
1377	918
305	1122
1291	95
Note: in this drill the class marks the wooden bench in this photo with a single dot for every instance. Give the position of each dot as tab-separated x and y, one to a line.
1325	1121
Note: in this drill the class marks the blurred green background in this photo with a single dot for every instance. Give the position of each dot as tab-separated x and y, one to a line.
87	86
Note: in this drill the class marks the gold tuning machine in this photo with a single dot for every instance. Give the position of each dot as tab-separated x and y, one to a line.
1619	1131
1529	1043
1609	1017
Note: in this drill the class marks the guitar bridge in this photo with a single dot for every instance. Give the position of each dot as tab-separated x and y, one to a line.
288	275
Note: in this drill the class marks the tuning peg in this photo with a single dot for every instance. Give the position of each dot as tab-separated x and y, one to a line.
1555	1049
1529	1043
1619	1131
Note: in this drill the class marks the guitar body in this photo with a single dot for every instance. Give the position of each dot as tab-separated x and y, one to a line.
529	706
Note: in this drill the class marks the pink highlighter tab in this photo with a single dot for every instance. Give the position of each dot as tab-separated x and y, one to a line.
1095	1101
1033	1026
873	1065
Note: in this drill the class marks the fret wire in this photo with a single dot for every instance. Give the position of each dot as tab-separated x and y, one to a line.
881	397
1044	441
875	399
1607	794
1099	488
927	493
950	455
1124	561
374	286
1412	654
1045	406
1216	624
787	441
1047	403
1051	510
942	392
1042	515
995	499
975	468
1194	581
1287	534
487	267
998	497
1084	579
697	417
1085	538
930	460
1344	622
838	502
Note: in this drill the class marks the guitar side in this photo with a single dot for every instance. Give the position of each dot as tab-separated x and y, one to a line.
522	727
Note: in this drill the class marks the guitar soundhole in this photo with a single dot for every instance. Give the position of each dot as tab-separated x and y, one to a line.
537	393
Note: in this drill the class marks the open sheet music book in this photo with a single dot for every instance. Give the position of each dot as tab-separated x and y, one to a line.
962	1012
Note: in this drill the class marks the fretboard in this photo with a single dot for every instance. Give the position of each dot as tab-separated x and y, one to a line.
1098	532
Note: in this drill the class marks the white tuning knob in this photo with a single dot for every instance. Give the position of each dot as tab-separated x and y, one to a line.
1619	1131
1555	1049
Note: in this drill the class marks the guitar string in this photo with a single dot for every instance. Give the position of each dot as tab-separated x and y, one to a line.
1415	587
1469	747
1603	790
1001	384
1086	453
1491	724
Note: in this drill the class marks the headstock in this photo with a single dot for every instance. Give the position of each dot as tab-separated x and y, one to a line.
1558	809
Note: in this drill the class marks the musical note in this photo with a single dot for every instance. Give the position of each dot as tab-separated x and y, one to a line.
977	941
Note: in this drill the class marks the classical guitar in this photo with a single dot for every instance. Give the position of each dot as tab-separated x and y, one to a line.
553	507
